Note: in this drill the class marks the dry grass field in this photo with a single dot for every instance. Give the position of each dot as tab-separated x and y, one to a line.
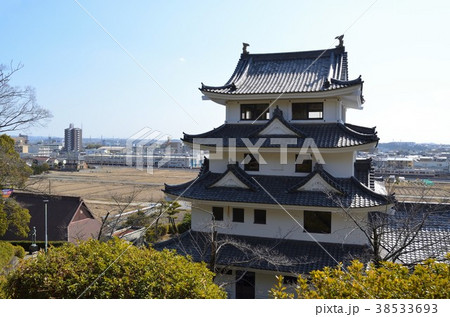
416	191
102	188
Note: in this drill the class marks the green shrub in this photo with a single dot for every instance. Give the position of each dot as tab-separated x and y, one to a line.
19	251
185	225
41	244
152	236
2	287
115	269
6	254
430	279
171	229
39	169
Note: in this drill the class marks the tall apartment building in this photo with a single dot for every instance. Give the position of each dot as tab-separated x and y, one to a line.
73	139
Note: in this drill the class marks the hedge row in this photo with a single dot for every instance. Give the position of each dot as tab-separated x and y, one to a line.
41	244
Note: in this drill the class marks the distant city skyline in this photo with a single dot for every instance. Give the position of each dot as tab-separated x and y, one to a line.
146	69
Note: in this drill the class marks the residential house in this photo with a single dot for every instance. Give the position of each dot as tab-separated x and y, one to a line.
68	218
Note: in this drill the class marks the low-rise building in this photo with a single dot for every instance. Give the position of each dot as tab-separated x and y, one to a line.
68	218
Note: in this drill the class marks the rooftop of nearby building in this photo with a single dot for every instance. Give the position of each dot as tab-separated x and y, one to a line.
432	239
61	210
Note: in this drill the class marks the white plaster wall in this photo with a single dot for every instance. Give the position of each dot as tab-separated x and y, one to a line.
219	166
339	164
273	164
263	283
233	112
278	224
331	108
284	106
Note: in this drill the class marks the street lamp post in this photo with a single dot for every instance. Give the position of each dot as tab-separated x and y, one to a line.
45	216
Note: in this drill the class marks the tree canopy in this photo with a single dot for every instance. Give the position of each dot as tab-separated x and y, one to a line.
13	171
13	218
71	271
430	280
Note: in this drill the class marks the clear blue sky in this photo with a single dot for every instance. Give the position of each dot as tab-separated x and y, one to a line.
401	49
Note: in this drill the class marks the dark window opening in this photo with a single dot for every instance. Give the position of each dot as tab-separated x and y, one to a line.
290	280
260	216
217	213
307	111
255	112
251	164
238	215
317	221
245	285
303	167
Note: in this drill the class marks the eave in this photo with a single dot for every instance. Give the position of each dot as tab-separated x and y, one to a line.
283	208
349	95
362	147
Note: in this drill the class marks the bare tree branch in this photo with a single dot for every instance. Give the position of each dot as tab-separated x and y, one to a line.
400	236
19	109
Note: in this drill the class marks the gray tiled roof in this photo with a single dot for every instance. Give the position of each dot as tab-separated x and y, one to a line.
325	135
295	72
354	194
281	255
432	240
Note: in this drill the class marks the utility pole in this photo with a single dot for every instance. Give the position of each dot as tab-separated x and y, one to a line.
46	229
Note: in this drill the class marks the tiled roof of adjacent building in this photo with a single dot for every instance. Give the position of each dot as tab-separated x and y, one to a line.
60	212
325	135
353	193
281	255
295	72
427	224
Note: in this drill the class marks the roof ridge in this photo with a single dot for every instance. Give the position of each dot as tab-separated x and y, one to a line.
348	129
318	170
204	133
278	114
296	54
237	171
47	196
355	81
372	192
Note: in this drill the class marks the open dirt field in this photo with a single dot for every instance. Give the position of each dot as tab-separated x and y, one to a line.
413	191
102	188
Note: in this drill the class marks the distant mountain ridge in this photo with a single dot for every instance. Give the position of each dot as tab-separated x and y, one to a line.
412	146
